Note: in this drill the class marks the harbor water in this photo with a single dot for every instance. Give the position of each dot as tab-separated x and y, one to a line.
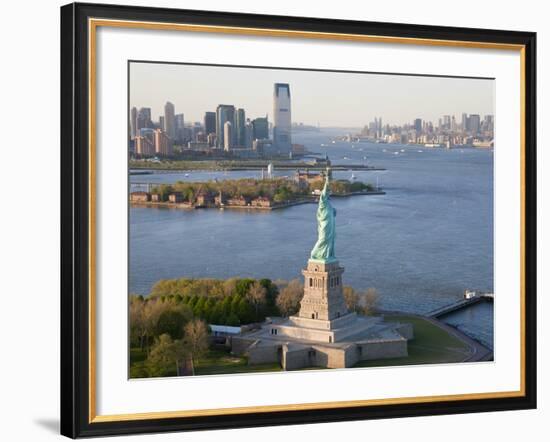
424	242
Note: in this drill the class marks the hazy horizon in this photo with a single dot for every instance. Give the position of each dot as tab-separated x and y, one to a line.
351	100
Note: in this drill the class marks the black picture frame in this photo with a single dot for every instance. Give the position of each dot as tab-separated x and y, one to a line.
75	220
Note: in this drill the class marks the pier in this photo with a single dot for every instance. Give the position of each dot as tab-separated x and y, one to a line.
470	298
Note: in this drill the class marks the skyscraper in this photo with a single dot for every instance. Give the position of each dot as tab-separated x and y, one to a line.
418	125
224	113
170	120
282	121
239	128
465	122
180	128
227	135
210	122
474	123
163	143
248	134
144	119
260	128
133	122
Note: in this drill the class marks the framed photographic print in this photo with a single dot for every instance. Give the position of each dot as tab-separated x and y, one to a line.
279	220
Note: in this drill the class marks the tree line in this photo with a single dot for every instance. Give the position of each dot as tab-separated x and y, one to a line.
277	189
171	324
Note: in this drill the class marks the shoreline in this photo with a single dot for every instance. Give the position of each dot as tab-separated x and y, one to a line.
351	167
188	206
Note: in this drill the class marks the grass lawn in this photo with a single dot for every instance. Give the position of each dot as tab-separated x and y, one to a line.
431	345
221	362
214	362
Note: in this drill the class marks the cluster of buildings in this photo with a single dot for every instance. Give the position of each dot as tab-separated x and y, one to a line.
470	130
203	199
227	130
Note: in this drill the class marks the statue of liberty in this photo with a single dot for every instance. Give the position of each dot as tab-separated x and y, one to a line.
326	226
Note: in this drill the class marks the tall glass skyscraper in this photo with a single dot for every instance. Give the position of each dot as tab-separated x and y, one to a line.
240	121
224	113
282	122
170	120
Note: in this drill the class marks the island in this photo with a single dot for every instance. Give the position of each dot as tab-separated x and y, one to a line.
248	193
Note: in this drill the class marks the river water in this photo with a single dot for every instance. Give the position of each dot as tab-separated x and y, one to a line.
420	245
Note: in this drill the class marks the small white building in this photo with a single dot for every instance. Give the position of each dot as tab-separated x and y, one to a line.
224	330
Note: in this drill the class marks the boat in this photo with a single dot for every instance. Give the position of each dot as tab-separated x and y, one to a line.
186	175
353	177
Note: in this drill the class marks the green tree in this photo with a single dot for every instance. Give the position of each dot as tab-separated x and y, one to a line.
164	356
172	321
245	312
243	285
233	320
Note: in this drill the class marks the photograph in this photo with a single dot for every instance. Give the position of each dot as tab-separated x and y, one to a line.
285	219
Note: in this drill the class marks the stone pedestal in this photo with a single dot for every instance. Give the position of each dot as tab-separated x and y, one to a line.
323	296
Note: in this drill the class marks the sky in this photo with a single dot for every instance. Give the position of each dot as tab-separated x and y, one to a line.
330	99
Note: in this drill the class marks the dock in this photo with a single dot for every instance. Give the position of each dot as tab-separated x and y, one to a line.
470	298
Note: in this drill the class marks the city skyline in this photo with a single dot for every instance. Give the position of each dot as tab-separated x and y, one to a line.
359	97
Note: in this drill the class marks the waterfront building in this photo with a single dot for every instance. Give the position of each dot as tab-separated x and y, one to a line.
227	136
211	139
282	121
261	201
262	146
175	197
224	113
260	128
133	122
140	197
240	120
163	143
170	120
238	201
144	145
209	122
198	145
204	198
447	122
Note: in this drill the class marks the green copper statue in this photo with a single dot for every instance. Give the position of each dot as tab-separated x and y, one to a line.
326	227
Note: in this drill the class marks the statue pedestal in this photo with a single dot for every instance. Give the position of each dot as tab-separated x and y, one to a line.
323	296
